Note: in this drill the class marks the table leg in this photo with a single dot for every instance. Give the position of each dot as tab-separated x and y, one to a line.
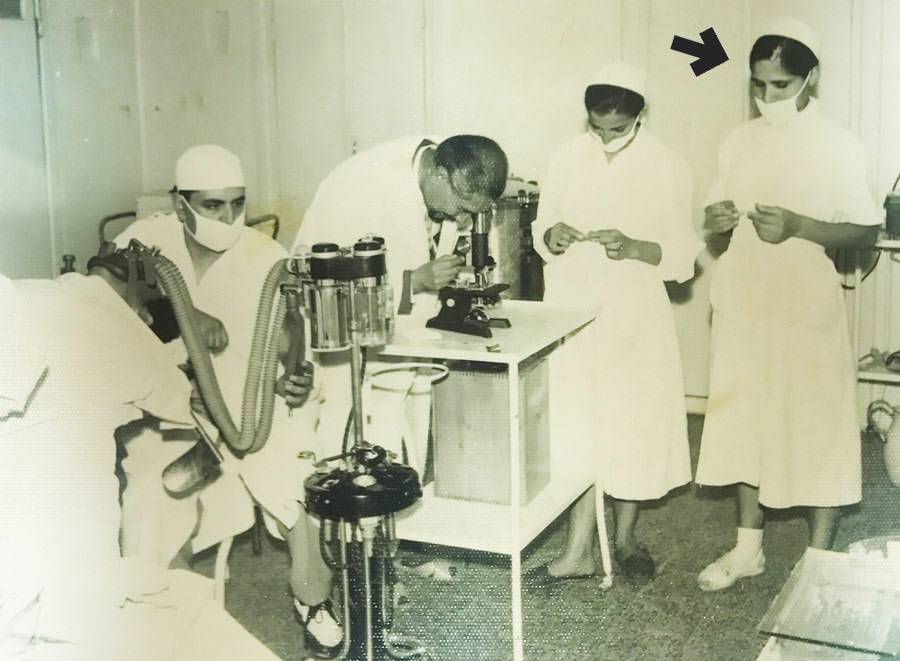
514	508
605	559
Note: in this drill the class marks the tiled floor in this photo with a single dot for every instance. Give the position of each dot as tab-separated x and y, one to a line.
468	619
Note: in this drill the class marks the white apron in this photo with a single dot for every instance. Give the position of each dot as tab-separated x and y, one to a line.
631	348
782	406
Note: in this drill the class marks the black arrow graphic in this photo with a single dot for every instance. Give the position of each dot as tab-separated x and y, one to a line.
709	52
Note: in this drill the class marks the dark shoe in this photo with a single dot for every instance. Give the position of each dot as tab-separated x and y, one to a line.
637	565
322	631
540	577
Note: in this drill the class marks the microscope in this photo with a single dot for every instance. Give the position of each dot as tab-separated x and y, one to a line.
464	305
348	300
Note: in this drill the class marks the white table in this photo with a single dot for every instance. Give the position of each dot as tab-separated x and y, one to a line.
507	529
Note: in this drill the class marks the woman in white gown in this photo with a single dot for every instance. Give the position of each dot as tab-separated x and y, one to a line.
614	223
781	417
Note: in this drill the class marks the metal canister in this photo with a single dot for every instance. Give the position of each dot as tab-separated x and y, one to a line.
892	211
518	265
329	306
372	299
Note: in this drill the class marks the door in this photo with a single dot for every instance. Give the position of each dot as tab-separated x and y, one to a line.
26	248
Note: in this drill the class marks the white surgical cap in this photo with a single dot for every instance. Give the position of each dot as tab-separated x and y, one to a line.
208	167
622	74
796	30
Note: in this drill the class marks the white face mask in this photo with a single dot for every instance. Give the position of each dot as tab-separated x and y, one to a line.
618	144
215	235
779	113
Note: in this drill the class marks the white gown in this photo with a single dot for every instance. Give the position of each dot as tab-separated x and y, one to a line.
274	476
77	364
631	348
98	367
782	406
375	192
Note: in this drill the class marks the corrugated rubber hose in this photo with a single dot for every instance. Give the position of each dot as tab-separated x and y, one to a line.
262	367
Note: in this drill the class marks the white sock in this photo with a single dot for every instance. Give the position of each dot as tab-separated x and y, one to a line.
749	542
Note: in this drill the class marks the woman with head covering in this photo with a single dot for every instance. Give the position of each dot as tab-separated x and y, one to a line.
614	223
781	418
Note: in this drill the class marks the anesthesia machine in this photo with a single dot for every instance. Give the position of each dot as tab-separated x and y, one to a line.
356	494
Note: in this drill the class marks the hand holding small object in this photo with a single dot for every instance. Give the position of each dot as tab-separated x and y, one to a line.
774	224
618	245
559	237
721	217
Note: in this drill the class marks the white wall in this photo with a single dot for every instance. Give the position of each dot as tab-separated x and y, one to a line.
516	71
205	75
352	74
25	238
692	115
310	109
348	75
92	117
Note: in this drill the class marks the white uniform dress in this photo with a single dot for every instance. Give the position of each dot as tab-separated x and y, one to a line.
782	403
230	291
631	348
374	192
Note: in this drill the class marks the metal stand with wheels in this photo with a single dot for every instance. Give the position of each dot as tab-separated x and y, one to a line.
357	493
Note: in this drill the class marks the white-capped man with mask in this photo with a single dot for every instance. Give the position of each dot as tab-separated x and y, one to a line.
224	264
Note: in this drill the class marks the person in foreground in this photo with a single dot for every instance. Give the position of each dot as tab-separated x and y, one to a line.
80	364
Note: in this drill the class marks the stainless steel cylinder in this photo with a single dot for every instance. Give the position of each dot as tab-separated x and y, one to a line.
329	310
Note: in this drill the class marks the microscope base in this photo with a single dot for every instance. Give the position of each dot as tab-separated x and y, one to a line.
468	326
462	312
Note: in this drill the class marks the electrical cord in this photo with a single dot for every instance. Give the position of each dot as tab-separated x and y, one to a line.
325	548
867	273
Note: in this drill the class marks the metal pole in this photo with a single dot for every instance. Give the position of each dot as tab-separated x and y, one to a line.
355	369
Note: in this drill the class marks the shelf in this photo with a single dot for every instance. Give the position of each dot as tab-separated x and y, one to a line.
487	526
888	244
878	376
499	528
